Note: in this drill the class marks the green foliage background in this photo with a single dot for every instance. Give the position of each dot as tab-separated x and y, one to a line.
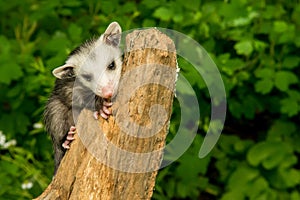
255	45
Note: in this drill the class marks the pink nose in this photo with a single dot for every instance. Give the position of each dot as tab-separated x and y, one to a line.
107	92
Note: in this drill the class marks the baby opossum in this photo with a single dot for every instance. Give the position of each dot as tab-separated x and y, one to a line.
96	67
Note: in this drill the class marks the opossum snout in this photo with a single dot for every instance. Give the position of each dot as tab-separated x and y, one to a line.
106	92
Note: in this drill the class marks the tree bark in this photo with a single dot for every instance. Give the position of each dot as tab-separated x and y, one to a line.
119	158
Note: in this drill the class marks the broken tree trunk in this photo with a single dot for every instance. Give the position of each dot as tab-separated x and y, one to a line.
118	158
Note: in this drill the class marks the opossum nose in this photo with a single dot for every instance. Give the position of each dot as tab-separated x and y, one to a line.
107	92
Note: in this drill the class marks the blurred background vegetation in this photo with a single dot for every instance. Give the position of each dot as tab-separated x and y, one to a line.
255	45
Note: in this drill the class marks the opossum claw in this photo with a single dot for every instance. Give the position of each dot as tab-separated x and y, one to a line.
72	128
69	138
103	114
65	146
106	110
96	115
107	103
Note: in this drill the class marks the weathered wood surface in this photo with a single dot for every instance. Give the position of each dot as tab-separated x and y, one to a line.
118	158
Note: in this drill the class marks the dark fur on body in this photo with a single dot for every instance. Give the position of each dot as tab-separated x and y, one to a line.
88	79
62	106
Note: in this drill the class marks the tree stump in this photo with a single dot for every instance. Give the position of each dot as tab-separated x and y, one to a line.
119	158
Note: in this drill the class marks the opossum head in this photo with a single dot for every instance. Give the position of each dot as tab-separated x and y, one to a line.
96	64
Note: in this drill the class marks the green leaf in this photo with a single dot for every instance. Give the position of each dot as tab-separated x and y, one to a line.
268	153
287	36
280	26
5	45
148	23
9	68
291	62
163	13
129	7
232	11
178	18
244	47
283	79
75	32
289	161
257	188
289	106
264	73
231	65
234	194
295	195
264	86
241	177
297	41
107	7
191	5
72	3
272	11
9	71
279	129
8	167
250	106
235	108
151	3
183	86
260	45
274	160
58	43
295	95
242	145
285	178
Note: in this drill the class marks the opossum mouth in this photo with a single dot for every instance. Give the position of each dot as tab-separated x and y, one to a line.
97	97
104	98
107	99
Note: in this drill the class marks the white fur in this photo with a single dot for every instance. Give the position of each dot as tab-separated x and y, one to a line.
94	58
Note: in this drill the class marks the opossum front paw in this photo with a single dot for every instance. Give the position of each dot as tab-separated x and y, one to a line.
104	111
69	138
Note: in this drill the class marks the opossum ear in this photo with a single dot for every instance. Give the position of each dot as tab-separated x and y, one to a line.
112	35
65	71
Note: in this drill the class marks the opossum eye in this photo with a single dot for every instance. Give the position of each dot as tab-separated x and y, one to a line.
87	77
111	66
